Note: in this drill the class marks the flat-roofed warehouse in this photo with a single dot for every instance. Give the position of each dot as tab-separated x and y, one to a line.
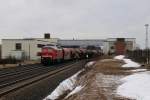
109	45
82	43
25	48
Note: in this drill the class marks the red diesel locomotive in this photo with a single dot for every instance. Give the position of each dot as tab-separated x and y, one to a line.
51	54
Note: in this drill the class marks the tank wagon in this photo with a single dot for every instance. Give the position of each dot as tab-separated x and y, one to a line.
51	54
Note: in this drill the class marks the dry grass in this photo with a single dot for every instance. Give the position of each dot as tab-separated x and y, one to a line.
8	66
101	81
111	67
14	65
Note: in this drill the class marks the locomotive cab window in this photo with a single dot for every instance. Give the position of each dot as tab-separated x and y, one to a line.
112	47
40	45
59	47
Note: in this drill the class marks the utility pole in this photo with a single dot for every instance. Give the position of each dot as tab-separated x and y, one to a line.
146	44
146	39
29	52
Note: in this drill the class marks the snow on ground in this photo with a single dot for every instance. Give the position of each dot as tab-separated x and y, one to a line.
136	86
128	62
76	90
120	57
139	70
107	84
91	63
68	85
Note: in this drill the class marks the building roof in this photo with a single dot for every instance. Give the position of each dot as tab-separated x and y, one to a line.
29	39
86	42
114	39
82	39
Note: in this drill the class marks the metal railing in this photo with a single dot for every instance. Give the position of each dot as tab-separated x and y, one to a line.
142	56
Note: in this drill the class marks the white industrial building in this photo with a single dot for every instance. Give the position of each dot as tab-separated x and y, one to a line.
109	44
27	49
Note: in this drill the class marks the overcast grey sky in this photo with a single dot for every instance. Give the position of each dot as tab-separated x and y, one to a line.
74	18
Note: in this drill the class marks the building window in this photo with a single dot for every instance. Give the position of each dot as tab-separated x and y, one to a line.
40	45
18	46
121	39
38	53
112	47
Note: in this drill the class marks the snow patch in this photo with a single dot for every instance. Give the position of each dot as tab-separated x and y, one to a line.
66	85
120	57
136	86
89	64
129	62
76	90
139	70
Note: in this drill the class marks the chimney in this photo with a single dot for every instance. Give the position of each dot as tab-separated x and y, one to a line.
47	36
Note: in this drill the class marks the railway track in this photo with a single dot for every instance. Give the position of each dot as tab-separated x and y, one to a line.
13	81
22	69
16	69
12	78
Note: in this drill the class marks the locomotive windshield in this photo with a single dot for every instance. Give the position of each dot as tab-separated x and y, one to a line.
53	46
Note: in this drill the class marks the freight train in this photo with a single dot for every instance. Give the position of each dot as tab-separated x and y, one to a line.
51	54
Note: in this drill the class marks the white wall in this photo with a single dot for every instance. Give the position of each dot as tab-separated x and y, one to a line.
106	47
111	41
28	46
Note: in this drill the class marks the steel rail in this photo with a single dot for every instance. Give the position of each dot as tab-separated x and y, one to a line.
26	75
23	69
9	87
12	70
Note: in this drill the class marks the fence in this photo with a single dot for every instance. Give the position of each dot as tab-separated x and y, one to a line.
9	61
142	56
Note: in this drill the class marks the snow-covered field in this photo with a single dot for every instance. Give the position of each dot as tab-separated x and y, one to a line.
128	62
136	86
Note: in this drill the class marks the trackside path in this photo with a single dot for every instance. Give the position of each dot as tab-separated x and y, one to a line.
102	80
